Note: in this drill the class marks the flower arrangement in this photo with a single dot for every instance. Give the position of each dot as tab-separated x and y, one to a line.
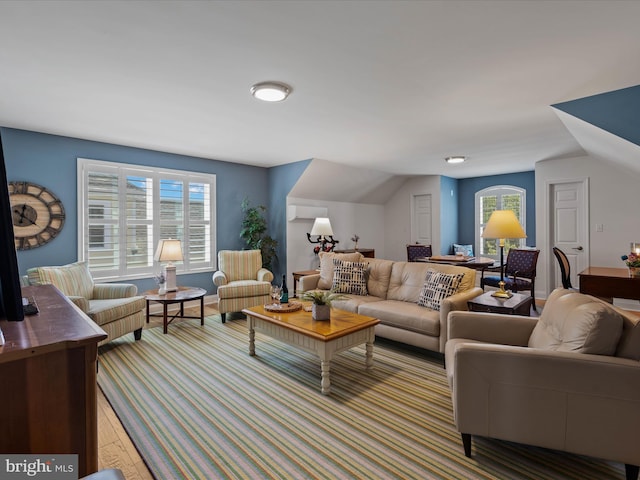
159	278
327	248
355	239
631	260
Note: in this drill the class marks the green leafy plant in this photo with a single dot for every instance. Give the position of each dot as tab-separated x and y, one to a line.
322	297
254	232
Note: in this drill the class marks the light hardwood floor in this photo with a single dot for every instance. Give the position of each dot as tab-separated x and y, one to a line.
115	449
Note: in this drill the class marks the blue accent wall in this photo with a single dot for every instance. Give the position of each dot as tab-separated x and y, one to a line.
448	214
50	160
466	202
281	181
616	112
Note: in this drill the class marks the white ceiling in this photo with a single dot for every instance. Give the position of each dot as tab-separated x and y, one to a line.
394	86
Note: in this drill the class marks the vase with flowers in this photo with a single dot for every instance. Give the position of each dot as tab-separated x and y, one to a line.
161	281
633	263
355	239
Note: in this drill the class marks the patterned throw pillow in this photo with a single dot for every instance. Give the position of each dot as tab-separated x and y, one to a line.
437	286
349	277
466	250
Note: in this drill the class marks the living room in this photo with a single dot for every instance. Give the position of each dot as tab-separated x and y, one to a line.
579	86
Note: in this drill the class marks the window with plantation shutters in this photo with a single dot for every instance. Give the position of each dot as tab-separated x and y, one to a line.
500	197
125	209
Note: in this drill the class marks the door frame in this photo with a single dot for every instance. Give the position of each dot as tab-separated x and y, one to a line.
549	212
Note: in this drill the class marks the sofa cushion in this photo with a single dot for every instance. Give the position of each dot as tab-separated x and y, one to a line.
107	311
379	276
407	279
327	267
577	323
629	344
438	286
349	277
72	279
244	289
404	315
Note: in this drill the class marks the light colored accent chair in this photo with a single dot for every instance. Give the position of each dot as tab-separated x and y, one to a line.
241	281
115	307
567	381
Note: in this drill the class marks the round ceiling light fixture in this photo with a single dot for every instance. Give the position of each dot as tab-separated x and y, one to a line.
271	91
455	159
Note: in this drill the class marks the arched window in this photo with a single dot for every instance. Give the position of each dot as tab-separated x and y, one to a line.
499	197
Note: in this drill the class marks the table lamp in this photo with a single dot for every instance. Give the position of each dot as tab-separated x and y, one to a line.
503	224
323	232
169	250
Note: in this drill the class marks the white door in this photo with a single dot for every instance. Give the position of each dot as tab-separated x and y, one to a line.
422	219
569	228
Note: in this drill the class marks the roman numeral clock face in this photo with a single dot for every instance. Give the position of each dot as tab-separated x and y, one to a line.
36	213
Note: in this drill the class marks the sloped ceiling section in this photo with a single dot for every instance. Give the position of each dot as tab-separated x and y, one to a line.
601	144
325	180
616	112
607	125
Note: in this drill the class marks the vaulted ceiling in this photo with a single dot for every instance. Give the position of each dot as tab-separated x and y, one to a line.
393	86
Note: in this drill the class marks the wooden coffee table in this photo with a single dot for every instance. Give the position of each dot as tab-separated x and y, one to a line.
324	338
183	294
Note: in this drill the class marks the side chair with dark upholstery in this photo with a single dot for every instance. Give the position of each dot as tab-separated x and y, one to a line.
565	267
417	250
519	272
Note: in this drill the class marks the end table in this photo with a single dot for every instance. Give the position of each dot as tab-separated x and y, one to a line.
518	304
180	296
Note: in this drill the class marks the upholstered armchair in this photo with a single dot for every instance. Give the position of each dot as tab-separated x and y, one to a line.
566	381
115	307
241	281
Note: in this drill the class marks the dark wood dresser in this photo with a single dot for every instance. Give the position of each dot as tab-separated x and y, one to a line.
48	381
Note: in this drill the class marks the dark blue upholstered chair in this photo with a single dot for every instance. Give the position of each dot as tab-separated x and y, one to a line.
519	272
417	250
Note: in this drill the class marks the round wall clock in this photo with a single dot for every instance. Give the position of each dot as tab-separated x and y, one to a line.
36	213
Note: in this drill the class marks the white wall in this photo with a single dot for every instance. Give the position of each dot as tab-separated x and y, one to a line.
347	219
614	201
398	215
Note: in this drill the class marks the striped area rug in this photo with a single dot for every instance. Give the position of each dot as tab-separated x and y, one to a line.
197	406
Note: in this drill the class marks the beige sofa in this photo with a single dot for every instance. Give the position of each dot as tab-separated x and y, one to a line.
393	292
566	381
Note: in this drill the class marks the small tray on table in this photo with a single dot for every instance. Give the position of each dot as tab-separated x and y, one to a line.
283	307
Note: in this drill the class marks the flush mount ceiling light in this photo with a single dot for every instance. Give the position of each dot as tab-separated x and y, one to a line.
455	159
271	91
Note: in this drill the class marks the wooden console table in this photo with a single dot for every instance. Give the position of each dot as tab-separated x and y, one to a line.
609	283
48	381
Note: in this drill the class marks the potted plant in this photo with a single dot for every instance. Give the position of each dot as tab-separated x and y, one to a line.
254	233
321	300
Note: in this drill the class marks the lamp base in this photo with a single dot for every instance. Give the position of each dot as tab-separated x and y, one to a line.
502	293
170	277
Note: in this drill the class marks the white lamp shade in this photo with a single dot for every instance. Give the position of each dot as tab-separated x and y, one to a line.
503	224
321	226
169	250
